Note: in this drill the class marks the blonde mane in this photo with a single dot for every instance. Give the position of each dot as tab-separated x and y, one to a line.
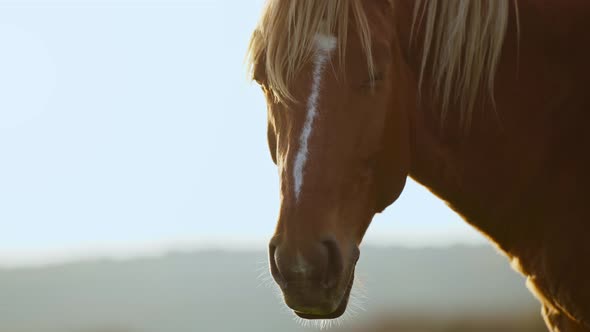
462	43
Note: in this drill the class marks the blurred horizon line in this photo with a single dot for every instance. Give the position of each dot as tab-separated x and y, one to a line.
43	257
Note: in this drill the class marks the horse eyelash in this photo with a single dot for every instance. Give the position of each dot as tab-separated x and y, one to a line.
370	82
378	76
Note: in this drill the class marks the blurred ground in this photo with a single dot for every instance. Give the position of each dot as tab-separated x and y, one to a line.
526	324
406	290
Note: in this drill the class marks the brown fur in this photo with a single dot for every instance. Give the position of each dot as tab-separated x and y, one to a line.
520	176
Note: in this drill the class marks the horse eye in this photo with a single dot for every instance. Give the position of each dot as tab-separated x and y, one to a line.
379	76
371	82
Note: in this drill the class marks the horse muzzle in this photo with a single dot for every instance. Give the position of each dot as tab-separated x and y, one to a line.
315	279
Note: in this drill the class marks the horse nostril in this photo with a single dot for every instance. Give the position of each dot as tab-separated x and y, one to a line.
335	264
274	270
320	264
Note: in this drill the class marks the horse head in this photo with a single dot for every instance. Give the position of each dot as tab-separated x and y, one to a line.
338	131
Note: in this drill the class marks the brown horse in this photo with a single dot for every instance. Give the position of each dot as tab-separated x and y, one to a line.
486	103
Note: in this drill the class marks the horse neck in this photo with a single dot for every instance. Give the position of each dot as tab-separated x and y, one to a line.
467	171
518	170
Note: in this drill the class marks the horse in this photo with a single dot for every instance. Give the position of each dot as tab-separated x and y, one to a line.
485	103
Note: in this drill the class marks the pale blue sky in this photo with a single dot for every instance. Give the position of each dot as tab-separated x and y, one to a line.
128	124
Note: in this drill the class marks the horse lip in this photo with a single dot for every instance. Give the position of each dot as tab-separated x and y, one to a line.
339	310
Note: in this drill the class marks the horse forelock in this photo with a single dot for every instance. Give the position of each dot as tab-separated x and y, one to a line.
461	44
284	39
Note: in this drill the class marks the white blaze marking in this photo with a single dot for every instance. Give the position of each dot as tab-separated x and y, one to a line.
324	44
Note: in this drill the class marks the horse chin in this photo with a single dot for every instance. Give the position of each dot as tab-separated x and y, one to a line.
339	310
